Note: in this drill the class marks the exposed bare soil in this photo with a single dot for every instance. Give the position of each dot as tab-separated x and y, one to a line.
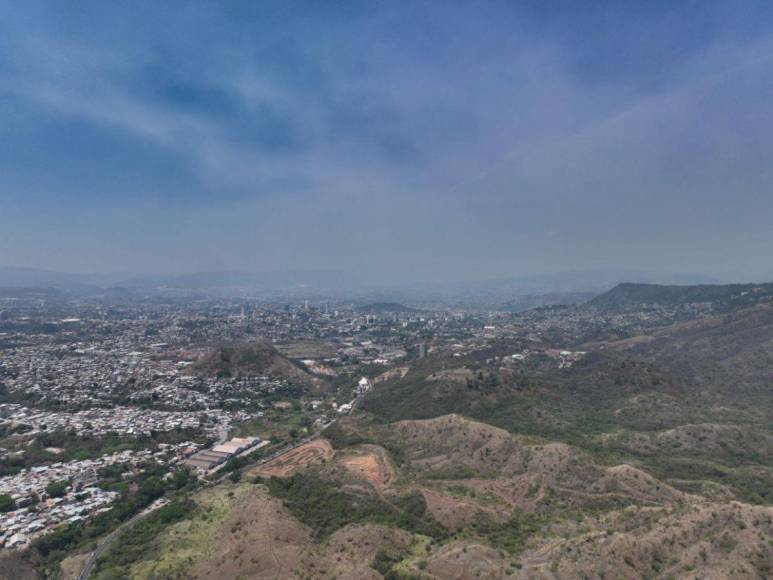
313	452
455	513
395	373
371	463
72	566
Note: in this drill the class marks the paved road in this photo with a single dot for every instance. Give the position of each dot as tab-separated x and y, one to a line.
112	536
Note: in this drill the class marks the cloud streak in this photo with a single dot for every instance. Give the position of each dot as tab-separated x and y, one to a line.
408	140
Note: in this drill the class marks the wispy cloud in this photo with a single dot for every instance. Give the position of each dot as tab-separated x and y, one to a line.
441	135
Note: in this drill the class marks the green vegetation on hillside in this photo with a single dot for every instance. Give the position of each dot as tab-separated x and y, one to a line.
322	505
712	373
135	543
566	404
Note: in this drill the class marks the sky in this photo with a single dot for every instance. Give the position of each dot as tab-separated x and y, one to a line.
419	140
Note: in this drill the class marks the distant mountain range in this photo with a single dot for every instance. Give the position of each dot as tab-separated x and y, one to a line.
298	280
522	293
29	277
516	293
262	284
581	281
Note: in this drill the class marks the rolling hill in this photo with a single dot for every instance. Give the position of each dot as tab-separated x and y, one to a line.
625	399
253	359
730	355
446	498
721	296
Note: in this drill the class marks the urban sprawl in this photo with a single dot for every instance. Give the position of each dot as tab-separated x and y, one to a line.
93	393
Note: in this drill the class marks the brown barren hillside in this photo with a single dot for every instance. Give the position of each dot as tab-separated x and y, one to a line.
690	541
311	453
450	498
258	540
471	453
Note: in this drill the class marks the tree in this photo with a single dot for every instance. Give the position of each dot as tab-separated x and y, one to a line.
6	503
181	478
150	489
57	488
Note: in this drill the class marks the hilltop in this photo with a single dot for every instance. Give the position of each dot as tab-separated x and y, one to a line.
721	296
252	359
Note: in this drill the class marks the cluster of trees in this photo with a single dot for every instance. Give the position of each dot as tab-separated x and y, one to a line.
134	542
511	535
151	484
482	382
57	488
386	558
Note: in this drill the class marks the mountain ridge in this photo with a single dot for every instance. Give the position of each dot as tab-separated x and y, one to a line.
630	295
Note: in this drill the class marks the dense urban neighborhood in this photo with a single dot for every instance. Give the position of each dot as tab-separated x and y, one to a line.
80	379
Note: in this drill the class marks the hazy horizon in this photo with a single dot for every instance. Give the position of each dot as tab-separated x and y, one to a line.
563	281
400	141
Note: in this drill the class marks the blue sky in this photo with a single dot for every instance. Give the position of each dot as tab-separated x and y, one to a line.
404	140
